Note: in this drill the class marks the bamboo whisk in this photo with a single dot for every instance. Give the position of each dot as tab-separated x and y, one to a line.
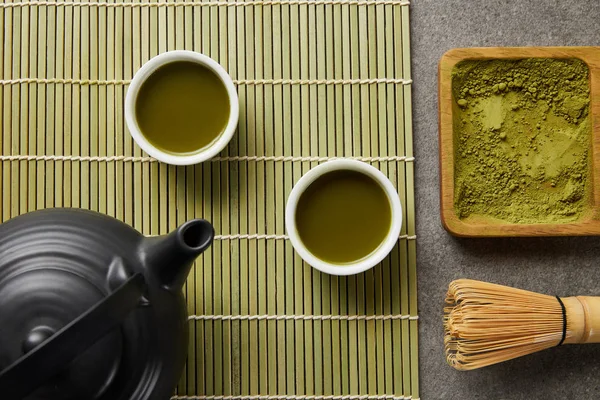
486	324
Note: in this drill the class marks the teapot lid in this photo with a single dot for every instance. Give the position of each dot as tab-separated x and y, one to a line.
38	301
55	265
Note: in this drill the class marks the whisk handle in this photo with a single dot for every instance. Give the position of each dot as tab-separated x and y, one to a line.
583	319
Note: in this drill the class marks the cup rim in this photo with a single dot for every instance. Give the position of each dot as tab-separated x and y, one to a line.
384	248
142	75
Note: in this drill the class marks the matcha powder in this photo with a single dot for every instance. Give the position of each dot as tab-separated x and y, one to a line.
522	138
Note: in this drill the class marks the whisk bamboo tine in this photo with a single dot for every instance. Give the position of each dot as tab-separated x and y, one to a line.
487	323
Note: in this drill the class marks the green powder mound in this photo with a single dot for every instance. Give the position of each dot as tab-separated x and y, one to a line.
522	139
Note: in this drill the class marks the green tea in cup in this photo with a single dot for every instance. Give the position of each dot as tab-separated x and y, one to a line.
182	107
343	217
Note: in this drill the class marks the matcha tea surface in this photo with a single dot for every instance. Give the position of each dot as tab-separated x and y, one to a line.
182	107
522	139
343	216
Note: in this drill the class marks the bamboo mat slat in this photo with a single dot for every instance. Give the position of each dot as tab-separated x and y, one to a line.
316	80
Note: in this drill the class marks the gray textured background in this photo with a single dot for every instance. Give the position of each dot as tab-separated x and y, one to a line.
563	266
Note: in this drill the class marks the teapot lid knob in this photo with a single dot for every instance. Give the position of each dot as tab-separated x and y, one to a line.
35	337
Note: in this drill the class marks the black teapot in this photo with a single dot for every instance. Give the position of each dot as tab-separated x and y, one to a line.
92	310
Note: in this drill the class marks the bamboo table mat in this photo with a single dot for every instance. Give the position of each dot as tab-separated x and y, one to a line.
317	79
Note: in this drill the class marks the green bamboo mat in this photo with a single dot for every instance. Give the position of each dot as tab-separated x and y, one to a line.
316	79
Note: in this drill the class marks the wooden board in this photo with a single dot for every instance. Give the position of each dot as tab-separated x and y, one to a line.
589	224
316	79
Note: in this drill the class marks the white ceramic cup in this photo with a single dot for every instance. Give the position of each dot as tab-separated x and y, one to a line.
365	263
202	154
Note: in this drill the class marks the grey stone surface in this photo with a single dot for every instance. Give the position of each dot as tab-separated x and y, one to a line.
561	266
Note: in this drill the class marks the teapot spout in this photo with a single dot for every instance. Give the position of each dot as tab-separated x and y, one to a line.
169	258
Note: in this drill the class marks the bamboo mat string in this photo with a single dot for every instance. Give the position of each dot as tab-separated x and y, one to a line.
239	82
279	237
217	3
302	317
24	157
297	397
